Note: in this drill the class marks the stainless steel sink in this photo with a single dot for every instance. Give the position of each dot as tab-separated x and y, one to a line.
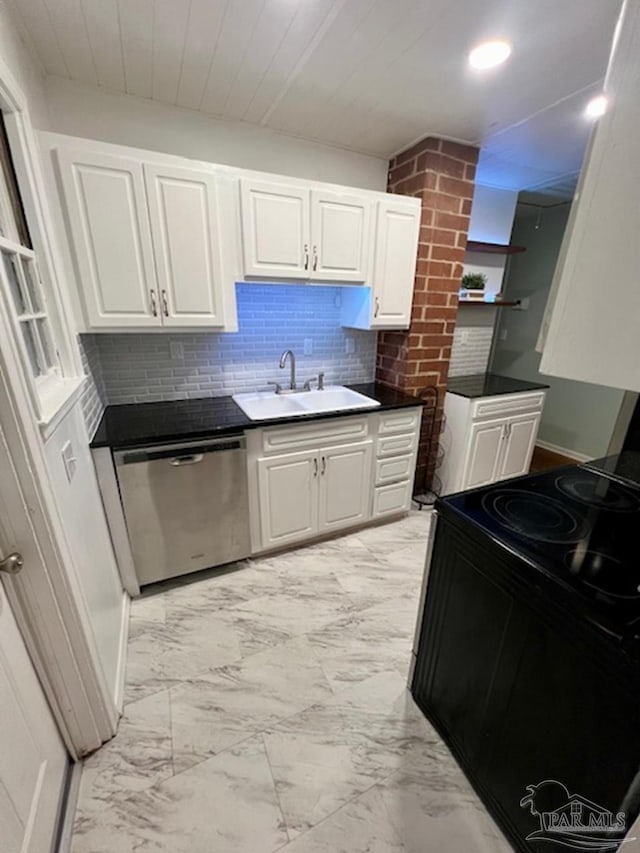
266	405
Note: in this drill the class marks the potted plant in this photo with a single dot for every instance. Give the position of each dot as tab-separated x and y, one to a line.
474	283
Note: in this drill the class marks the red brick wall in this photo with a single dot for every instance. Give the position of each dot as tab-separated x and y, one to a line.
442	175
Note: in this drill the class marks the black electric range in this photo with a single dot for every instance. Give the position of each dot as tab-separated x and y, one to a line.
579	527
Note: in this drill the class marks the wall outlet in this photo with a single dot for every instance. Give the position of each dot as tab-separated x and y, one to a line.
69	460
308	346
464	336
176	350
349	345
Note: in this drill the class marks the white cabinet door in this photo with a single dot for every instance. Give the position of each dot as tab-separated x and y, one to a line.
340	236
484	455
184	227
33	759
396	248
110	238
519	443
345	485
275	230
288	495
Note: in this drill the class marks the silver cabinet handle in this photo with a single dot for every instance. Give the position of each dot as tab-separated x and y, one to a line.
191	459
306	256
324	464
315	466
377	308
154	307
165	304
12	564
315	258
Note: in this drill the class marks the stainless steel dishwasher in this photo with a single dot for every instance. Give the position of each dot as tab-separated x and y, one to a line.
186	506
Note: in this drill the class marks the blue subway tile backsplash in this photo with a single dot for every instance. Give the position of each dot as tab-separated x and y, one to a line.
137	368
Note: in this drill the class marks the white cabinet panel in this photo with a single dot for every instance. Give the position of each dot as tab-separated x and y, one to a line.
392	499
288	494
340	236
345	485
520	439
184	222
275	230
111	237
484	455
396	249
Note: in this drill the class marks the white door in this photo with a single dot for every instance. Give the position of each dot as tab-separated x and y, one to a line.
33	759
484	454
288	497
519	443
110	238
345	485
275	230
184	228
340	236
396	248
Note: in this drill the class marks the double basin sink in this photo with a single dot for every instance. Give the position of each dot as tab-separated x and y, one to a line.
267	405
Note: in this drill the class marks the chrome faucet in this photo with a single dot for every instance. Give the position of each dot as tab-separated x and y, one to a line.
283	361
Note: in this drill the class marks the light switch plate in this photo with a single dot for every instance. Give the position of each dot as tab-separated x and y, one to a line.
349	345
176	350
308	346
69	460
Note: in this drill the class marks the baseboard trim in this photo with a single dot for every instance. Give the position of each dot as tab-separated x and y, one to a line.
562	451
121	671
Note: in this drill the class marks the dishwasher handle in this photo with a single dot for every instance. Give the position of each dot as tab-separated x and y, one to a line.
191	459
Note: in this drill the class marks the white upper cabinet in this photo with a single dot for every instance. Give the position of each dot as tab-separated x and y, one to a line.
340	236
397	234
184	224
111	238
592	325
275	230
387	305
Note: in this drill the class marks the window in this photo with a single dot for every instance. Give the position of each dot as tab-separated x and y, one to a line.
21	280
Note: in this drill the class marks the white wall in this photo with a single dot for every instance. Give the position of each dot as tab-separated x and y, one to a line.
80	508
26	72
578	417
81	110
79	504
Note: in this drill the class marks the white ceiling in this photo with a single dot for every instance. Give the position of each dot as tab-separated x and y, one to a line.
368	75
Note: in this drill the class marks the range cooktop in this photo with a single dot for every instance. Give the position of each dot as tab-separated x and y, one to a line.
580	527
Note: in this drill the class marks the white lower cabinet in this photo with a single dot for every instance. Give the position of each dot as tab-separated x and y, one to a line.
488	440
345	486
288	494
310	480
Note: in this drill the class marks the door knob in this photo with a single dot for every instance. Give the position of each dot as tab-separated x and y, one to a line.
12	564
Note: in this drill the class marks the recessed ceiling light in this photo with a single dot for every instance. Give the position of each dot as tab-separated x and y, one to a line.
489	54
596	107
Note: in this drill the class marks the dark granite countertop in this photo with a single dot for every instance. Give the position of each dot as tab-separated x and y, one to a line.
489	385
136	424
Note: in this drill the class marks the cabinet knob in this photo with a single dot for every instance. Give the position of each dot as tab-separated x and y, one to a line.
12	564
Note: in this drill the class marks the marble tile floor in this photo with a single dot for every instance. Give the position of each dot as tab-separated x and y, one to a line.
266	709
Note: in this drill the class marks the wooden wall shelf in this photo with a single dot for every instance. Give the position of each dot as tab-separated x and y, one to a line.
494	248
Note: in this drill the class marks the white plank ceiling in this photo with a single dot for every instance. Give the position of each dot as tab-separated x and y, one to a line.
368	75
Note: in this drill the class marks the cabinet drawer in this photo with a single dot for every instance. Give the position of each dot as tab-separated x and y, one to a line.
393	498
395	445
314	435
507	405
394	469
402	420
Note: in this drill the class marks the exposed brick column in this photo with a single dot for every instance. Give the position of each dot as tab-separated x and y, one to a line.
442	175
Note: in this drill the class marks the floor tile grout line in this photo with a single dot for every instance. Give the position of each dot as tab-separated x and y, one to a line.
275	790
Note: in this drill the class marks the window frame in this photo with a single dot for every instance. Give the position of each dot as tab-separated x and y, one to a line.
52	395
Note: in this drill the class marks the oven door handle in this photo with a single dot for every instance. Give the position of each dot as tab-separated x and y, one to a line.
191	459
